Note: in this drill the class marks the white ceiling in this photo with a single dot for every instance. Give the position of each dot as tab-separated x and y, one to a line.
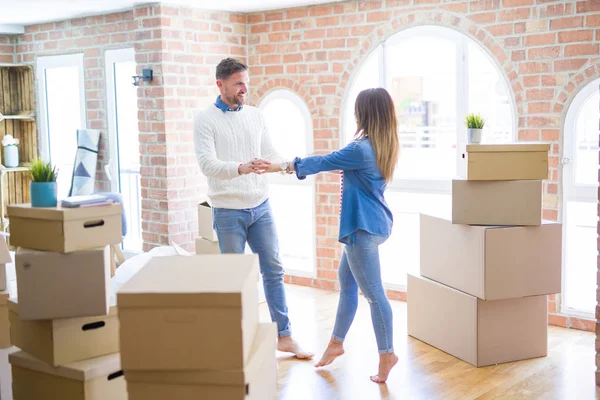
27	12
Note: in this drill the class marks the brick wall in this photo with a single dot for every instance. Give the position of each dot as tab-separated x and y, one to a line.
546	48
183	46
7	48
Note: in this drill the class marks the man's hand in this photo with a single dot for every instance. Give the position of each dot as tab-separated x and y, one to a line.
255	166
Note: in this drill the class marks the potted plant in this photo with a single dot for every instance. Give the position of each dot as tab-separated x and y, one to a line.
474	124
43	184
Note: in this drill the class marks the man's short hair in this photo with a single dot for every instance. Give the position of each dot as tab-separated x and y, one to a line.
228	67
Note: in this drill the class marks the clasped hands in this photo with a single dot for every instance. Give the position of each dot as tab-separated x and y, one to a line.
258	166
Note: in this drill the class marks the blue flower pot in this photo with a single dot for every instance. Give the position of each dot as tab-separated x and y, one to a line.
43	194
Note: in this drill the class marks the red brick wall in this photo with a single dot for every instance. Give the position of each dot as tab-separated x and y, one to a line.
92	36
546	48
7	48
182	46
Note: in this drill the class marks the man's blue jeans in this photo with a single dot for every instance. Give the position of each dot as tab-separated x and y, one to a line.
257	227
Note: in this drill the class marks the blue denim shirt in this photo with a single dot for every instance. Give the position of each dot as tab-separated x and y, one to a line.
363	203
224	107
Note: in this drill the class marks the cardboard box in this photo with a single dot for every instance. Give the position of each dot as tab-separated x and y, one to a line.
65	229
497	202
63	285
492	262
256	381
189	313
66	340
514	161
477	331
205	222
204	246
99	378
4	321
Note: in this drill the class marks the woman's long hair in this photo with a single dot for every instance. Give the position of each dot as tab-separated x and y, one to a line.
376	120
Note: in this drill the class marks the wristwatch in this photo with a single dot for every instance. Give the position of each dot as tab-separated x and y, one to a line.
285	167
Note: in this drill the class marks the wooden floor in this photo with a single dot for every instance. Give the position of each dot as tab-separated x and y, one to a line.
423	372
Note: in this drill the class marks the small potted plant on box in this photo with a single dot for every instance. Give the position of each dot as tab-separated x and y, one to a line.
43	184
474	124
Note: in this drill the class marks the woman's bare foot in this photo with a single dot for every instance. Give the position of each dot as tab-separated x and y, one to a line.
288	345
386	363
333	351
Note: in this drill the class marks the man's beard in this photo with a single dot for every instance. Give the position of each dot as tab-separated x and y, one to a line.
235	100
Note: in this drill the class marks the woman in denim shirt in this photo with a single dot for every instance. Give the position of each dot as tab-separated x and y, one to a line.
368	164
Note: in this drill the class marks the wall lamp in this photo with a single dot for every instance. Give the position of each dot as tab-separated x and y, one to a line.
146	77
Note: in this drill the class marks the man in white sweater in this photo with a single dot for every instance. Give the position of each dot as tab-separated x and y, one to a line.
233	148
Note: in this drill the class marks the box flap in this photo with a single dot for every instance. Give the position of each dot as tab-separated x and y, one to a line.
262	347
81	370
489	148
190	281
4	295
5	257
59	213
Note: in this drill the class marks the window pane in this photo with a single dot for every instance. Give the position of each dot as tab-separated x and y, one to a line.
287	126
63	104
400	253
367	77
293	209
581	256
488	96
128	152
586	145
422	73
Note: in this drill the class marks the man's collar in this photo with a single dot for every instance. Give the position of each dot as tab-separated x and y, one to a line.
224	107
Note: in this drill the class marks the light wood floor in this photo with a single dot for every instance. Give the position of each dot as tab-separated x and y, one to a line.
423	372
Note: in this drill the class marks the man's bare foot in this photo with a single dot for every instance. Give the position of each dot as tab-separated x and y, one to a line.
386	363
333	351
288	345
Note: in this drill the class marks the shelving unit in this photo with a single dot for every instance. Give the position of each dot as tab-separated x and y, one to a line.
17	117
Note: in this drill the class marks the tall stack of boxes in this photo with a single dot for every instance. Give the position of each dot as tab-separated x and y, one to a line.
189	330
485	273
64	319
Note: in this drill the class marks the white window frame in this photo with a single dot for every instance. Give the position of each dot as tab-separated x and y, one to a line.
278	179
57	61
431	186
111	57
571	191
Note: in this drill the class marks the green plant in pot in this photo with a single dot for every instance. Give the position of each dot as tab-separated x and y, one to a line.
474	124
43	184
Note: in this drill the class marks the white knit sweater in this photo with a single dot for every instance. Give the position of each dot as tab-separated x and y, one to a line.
223	141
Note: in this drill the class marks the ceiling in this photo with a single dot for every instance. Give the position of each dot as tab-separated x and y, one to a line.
17	13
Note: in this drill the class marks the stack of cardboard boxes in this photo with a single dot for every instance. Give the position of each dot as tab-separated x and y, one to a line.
5	258
64	319
485	273
189	330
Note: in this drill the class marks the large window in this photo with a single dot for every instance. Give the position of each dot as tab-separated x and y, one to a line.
580	199
435	76
62	111
292	200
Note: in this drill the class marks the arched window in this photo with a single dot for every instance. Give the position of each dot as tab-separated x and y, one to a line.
436	76
292	200
580	199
